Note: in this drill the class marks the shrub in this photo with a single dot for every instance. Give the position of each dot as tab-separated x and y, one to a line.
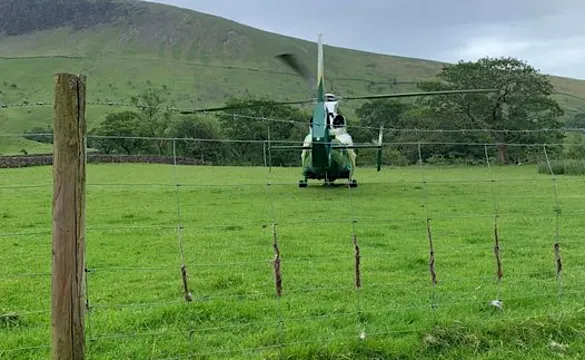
563	167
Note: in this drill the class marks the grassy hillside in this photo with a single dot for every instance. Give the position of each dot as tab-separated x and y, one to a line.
198	59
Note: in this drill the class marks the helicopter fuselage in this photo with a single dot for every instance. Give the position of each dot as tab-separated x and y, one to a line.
324	161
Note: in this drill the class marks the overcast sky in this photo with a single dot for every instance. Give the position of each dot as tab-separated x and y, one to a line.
548	34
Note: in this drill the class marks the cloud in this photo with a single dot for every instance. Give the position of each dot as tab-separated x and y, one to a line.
563	57
551	42
489	46
547	34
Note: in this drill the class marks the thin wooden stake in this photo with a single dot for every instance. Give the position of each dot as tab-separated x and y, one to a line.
499	271
68	267
431	254
358	282
498	256
188	295
429	232
558	260
276	262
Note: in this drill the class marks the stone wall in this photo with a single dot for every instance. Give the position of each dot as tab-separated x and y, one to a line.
19	161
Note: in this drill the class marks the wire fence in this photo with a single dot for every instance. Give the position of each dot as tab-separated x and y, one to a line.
231	112
441	146
188	260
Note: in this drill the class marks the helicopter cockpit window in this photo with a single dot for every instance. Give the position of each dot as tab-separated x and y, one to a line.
338	121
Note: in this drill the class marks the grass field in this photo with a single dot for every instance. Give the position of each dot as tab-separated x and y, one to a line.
135	290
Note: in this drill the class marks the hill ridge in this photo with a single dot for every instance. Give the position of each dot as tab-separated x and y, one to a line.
196	59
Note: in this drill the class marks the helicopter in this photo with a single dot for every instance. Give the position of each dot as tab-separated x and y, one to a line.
328	151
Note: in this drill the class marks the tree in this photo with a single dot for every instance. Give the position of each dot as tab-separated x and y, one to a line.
118	127
391	114
575	146
406	125
521	101
387	112
153	119
156	118
577	121
265	117
191	128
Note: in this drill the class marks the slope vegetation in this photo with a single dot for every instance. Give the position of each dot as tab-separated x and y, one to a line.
198	60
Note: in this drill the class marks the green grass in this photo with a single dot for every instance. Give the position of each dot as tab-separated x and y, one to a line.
135	289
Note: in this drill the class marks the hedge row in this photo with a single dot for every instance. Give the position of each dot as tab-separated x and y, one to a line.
19	161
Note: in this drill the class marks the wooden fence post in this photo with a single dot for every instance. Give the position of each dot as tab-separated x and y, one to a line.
68	268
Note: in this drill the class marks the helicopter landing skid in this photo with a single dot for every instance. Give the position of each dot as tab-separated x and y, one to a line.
352	183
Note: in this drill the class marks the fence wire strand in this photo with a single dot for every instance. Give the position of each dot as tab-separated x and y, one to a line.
236	116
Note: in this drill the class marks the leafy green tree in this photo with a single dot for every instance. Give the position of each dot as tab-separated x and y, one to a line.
577	121
118	127
521	102
192	129
406	125
266	118
575	146
387	112
156	119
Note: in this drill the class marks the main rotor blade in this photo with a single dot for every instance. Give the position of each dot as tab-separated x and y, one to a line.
419	93
293	62
382	96
247	106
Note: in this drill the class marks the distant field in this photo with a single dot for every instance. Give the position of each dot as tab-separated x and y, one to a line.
10	145
135	288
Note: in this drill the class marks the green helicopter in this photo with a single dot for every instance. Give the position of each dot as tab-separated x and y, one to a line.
328	149
327	152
